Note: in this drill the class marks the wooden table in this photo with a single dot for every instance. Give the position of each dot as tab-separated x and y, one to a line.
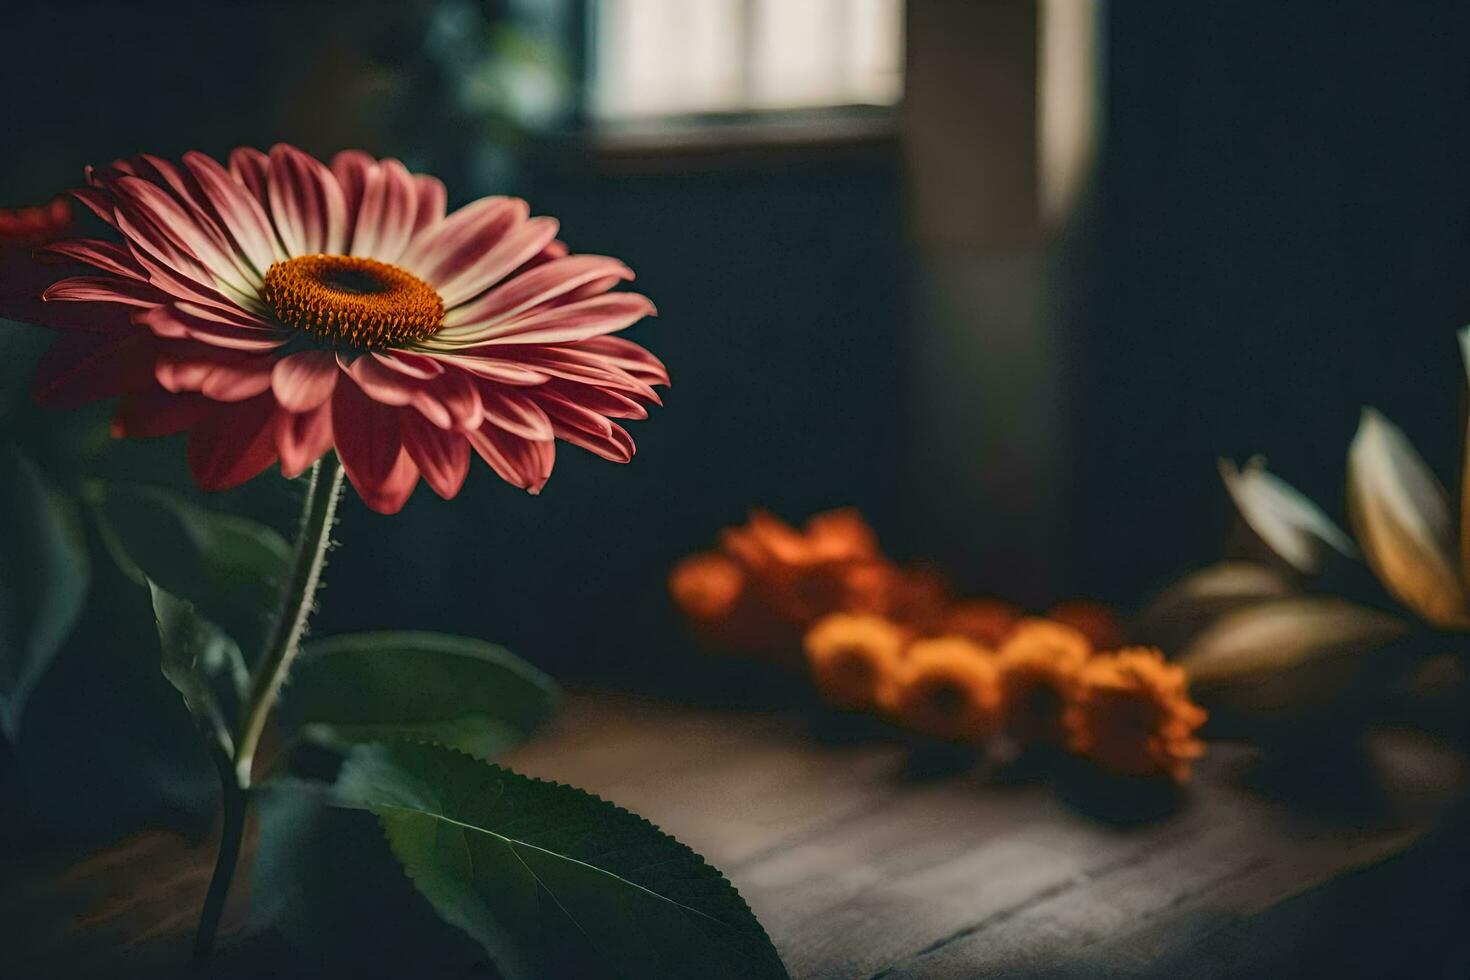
862	864
861	868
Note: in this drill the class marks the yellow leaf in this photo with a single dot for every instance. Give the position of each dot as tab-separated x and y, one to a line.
1184	609
1260	643
1401	516
1289	524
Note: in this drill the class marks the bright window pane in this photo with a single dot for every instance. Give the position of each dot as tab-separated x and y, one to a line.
670	57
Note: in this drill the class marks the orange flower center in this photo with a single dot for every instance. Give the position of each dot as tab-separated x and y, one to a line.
343	299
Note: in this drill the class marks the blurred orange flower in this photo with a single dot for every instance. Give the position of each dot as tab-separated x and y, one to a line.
23	277
1038	678
986	621
1133	714
1034	633
1093	620
790	577
707	586
946	688
30	226
769	546
854	658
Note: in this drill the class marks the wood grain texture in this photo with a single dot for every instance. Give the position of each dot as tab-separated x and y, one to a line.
864	861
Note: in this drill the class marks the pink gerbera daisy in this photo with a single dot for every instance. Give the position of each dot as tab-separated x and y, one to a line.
279	308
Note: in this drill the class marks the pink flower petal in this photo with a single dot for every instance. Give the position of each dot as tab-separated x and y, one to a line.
367	437
378	382
191	233
629	356
515	413
390	495
542	284
252	169
221	375
239	210
460	395
444	251
304	381
156	412
102	289
571	364
80	368
106	256
168	266
302	438
385	220
306	203
197	323
462	282
98	201
565	324
615	446
418	366
232	443
431	197
351	168
519	462
581	426
499	369
606	402
442	457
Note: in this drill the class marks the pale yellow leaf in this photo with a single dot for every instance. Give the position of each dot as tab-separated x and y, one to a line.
1261	641
1290	525
1401	516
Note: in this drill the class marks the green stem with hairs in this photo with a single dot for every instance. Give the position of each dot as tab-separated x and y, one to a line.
236	772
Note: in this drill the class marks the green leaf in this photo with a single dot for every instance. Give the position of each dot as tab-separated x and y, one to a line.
43	581
325	881
525	865
228	567
197	655
451	690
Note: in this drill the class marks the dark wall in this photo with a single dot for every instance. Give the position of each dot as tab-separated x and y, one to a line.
1282	238
779	287
1278	235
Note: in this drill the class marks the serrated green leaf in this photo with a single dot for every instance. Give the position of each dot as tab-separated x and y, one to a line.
452	690
522	864
326	882
229	567
197	659
43	581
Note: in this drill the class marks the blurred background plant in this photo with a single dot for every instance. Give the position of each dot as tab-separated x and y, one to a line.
1308	635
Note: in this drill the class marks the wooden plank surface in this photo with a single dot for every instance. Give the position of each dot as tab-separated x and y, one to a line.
864	864
861	869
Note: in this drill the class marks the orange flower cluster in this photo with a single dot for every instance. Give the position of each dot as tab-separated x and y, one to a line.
1042	682
769	581
889	640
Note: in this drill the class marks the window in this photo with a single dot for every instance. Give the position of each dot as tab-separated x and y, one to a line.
659	58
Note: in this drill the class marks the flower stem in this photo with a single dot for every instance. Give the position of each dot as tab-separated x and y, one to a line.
236	773
235	800
317	517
